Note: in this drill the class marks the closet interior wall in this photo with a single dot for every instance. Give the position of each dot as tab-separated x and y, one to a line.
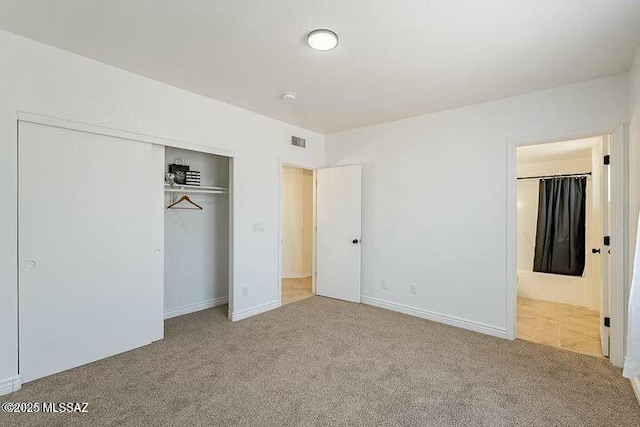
197	241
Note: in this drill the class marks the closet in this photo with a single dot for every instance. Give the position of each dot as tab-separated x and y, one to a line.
101	260
196	233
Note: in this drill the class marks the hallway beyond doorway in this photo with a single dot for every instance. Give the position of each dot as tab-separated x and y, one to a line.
296	289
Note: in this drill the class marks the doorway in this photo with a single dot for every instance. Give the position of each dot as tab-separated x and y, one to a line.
614	308
197	231
333	228
297	233
562	276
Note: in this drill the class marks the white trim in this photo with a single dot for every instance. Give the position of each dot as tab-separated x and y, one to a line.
635	384
118	133
436	317
9	385
232	234
192	308
249	312
314	244
280	238
619	230
618	290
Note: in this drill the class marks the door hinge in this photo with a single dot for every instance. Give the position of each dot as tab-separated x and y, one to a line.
607	322
607	159
607	240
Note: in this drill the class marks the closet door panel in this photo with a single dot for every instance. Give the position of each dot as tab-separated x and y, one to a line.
90	277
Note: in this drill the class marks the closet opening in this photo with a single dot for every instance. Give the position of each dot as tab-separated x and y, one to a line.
563	218
297	234
197	231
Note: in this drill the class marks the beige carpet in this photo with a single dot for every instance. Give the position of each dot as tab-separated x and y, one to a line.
327	362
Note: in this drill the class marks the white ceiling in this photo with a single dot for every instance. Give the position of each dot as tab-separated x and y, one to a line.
396	59
565	150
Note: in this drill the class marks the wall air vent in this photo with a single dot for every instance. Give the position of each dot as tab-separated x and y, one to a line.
298	142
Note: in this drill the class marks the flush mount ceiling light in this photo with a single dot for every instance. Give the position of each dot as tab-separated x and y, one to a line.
322	39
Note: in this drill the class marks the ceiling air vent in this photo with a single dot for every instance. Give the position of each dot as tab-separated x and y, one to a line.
298	142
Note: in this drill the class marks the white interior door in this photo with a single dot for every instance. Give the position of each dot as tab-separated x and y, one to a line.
338	238
606	253
90	235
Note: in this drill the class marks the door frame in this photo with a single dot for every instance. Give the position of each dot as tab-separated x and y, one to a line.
619	228
281	165
23	116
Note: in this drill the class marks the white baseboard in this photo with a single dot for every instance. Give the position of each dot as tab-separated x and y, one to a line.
9	385
243	314
436	317
635	383
192	308
296	275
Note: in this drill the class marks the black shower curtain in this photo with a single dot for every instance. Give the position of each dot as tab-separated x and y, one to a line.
560	235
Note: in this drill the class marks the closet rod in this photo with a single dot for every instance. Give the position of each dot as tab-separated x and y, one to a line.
556	176
186	191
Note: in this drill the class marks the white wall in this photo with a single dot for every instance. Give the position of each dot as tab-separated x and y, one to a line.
634	152
297	222
40	79
582	291
634	158
196	268
435	191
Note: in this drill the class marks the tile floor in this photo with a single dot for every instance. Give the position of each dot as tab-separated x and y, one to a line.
296	289
559	325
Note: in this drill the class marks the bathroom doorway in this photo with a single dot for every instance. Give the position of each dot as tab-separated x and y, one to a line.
563	214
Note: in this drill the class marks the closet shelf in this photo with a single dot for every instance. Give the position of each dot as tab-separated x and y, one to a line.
181	188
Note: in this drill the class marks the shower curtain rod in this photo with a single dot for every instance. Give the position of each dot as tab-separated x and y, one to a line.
556	176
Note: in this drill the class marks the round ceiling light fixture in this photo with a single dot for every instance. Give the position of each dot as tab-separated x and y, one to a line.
322	39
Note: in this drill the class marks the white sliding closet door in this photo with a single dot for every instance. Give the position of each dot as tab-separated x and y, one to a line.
90	236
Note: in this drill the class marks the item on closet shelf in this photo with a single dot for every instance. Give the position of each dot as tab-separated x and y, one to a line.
180	172
192	178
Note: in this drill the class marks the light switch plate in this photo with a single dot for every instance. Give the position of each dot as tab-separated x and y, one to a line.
258	227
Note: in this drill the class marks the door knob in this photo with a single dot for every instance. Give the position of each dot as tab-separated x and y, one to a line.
355	241
29	264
